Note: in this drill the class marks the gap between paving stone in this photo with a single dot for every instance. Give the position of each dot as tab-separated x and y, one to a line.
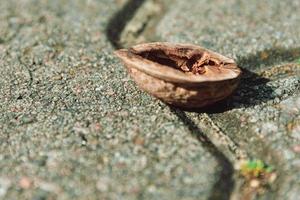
137	29
127	17
119	21
225	183
134	23
269	42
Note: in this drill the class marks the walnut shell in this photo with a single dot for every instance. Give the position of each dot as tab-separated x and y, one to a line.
183	75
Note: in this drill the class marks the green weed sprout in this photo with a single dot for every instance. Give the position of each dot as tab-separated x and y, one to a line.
255	168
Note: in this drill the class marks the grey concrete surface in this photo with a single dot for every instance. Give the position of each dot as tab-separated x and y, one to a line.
262	117
73	125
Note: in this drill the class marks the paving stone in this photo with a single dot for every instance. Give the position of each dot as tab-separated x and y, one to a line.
262	117
234	28
74	126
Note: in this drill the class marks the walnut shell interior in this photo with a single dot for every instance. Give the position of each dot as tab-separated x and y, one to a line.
189	62
181	74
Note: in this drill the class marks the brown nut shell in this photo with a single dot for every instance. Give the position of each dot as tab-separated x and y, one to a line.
183	75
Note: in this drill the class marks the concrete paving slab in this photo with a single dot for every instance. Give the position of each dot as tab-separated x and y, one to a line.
262	116
74	126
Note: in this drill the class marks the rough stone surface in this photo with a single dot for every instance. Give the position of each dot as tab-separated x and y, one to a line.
74	126
234	28
262	117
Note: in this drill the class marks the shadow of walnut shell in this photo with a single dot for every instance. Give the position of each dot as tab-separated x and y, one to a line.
183	75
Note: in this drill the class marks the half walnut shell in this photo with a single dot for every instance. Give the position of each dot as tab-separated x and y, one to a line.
183	75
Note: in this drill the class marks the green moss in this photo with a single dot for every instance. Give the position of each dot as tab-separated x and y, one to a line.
255	168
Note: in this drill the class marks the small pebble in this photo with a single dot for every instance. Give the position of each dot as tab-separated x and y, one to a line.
25	183
254	183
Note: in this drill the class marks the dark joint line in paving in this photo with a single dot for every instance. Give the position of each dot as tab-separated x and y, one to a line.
225	184
119	21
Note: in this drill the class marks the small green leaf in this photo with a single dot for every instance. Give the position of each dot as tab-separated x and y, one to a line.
269	169
259	165
251	164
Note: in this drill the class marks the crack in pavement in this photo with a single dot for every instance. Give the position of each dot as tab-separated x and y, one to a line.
224	186
119	21
200	123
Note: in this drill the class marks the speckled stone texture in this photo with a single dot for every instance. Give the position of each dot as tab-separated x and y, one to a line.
72	123
263	36
235	28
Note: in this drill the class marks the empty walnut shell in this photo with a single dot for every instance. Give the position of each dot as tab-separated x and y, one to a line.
183	75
